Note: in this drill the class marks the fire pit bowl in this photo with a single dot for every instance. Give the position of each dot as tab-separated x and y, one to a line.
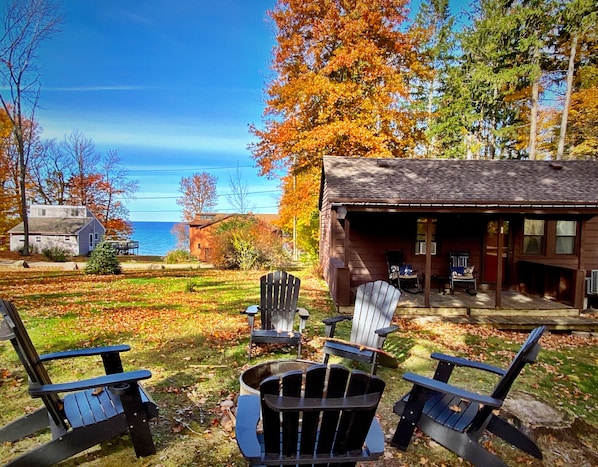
251	378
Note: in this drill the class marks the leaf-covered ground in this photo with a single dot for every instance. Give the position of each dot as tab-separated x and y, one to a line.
186	327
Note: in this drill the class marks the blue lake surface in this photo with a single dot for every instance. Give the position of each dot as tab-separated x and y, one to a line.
155	238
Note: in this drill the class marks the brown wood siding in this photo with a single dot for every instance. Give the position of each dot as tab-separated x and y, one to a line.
201	242
591	244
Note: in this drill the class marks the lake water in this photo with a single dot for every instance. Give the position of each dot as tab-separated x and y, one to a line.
155	238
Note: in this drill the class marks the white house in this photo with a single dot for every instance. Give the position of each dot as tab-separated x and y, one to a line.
72	228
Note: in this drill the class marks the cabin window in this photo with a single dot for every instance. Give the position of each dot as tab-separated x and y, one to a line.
420	238
566	231
533	236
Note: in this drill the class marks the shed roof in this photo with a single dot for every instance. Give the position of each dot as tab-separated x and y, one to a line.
53	225
461	182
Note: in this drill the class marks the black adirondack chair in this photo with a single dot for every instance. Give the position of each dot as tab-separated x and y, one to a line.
328	422
93	411
375	305
456	418
279	293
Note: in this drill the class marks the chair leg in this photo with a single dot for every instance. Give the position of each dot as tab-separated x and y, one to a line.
512	435
71	443
410	416
460	443
25	426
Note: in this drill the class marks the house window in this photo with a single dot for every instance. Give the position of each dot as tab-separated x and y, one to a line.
38	239
96	236
420	238
67	238
533	236
566	232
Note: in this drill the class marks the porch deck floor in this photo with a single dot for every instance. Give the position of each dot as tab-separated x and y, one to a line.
518	311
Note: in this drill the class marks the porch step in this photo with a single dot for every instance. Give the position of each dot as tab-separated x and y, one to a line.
520	322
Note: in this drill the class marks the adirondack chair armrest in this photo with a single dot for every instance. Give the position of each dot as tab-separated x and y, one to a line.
303	313
446	388
37	390
330	323
84	352
248	415
374	440
251	310
383	332
463	362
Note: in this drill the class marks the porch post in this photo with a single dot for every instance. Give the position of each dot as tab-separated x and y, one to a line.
500	245
428	281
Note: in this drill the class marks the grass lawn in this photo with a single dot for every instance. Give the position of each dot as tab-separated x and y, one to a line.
186	328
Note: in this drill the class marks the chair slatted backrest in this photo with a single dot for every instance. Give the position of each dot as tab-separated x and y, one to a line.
337	407
278	303
14	330
459	259
375	306
527	354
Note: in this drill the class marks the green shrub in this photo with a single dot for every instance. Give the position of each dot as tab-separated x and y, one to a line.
56	253
179	256
245	243
103	260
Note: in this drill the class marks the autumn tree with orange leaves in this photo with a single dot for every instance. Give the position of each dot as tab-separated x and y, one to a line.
341	87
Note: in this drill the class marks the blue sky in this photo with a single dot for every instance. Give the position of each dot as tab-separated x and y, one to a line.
172	85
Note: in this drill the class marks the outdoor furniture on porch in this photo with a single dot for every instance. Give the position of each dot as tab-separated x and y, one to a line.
279	293
95	410
401	275
456	417
324	415
375	305
461	272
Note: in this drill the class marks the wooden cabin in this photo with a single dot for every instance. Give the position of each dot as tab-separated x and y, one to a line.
203	231
526	225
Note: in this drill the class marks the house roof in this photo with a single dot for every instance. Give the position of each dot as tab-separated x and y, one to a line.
53	225
202	223
466	183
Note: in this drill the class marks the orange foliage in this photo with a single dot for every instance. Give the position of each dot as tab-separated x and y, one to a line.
583	115
342	82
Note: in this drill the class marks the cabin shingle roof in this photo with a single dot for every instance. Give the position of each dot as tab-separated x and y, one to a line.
52	226
399	181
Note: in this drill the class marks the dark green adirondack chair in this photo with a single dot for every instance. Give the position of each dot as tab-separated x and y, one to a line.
279	293
330	422
456	418
92	411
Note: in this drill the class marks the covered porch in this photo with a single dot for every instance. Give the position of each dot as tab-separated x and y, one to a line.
519	311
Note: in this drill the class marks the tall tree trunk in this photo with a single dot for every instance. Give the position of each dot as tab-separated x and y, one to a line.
533	127
565	117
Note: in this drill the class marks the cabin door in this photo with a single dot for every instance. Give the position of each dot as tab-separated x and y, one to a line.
491	251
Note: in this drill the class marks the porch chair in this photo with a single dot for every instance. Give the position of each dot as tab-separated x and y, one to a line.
93	411
329	422
375	305
279	293
400	274
455	417
461	272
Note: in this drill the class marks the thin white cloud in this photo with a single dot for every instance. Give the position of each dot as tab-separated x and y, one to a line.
117	131
120	87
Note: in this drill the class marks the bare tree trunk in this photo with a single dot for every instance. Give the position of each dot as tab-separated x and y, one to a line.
533	128
27	24
565	117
